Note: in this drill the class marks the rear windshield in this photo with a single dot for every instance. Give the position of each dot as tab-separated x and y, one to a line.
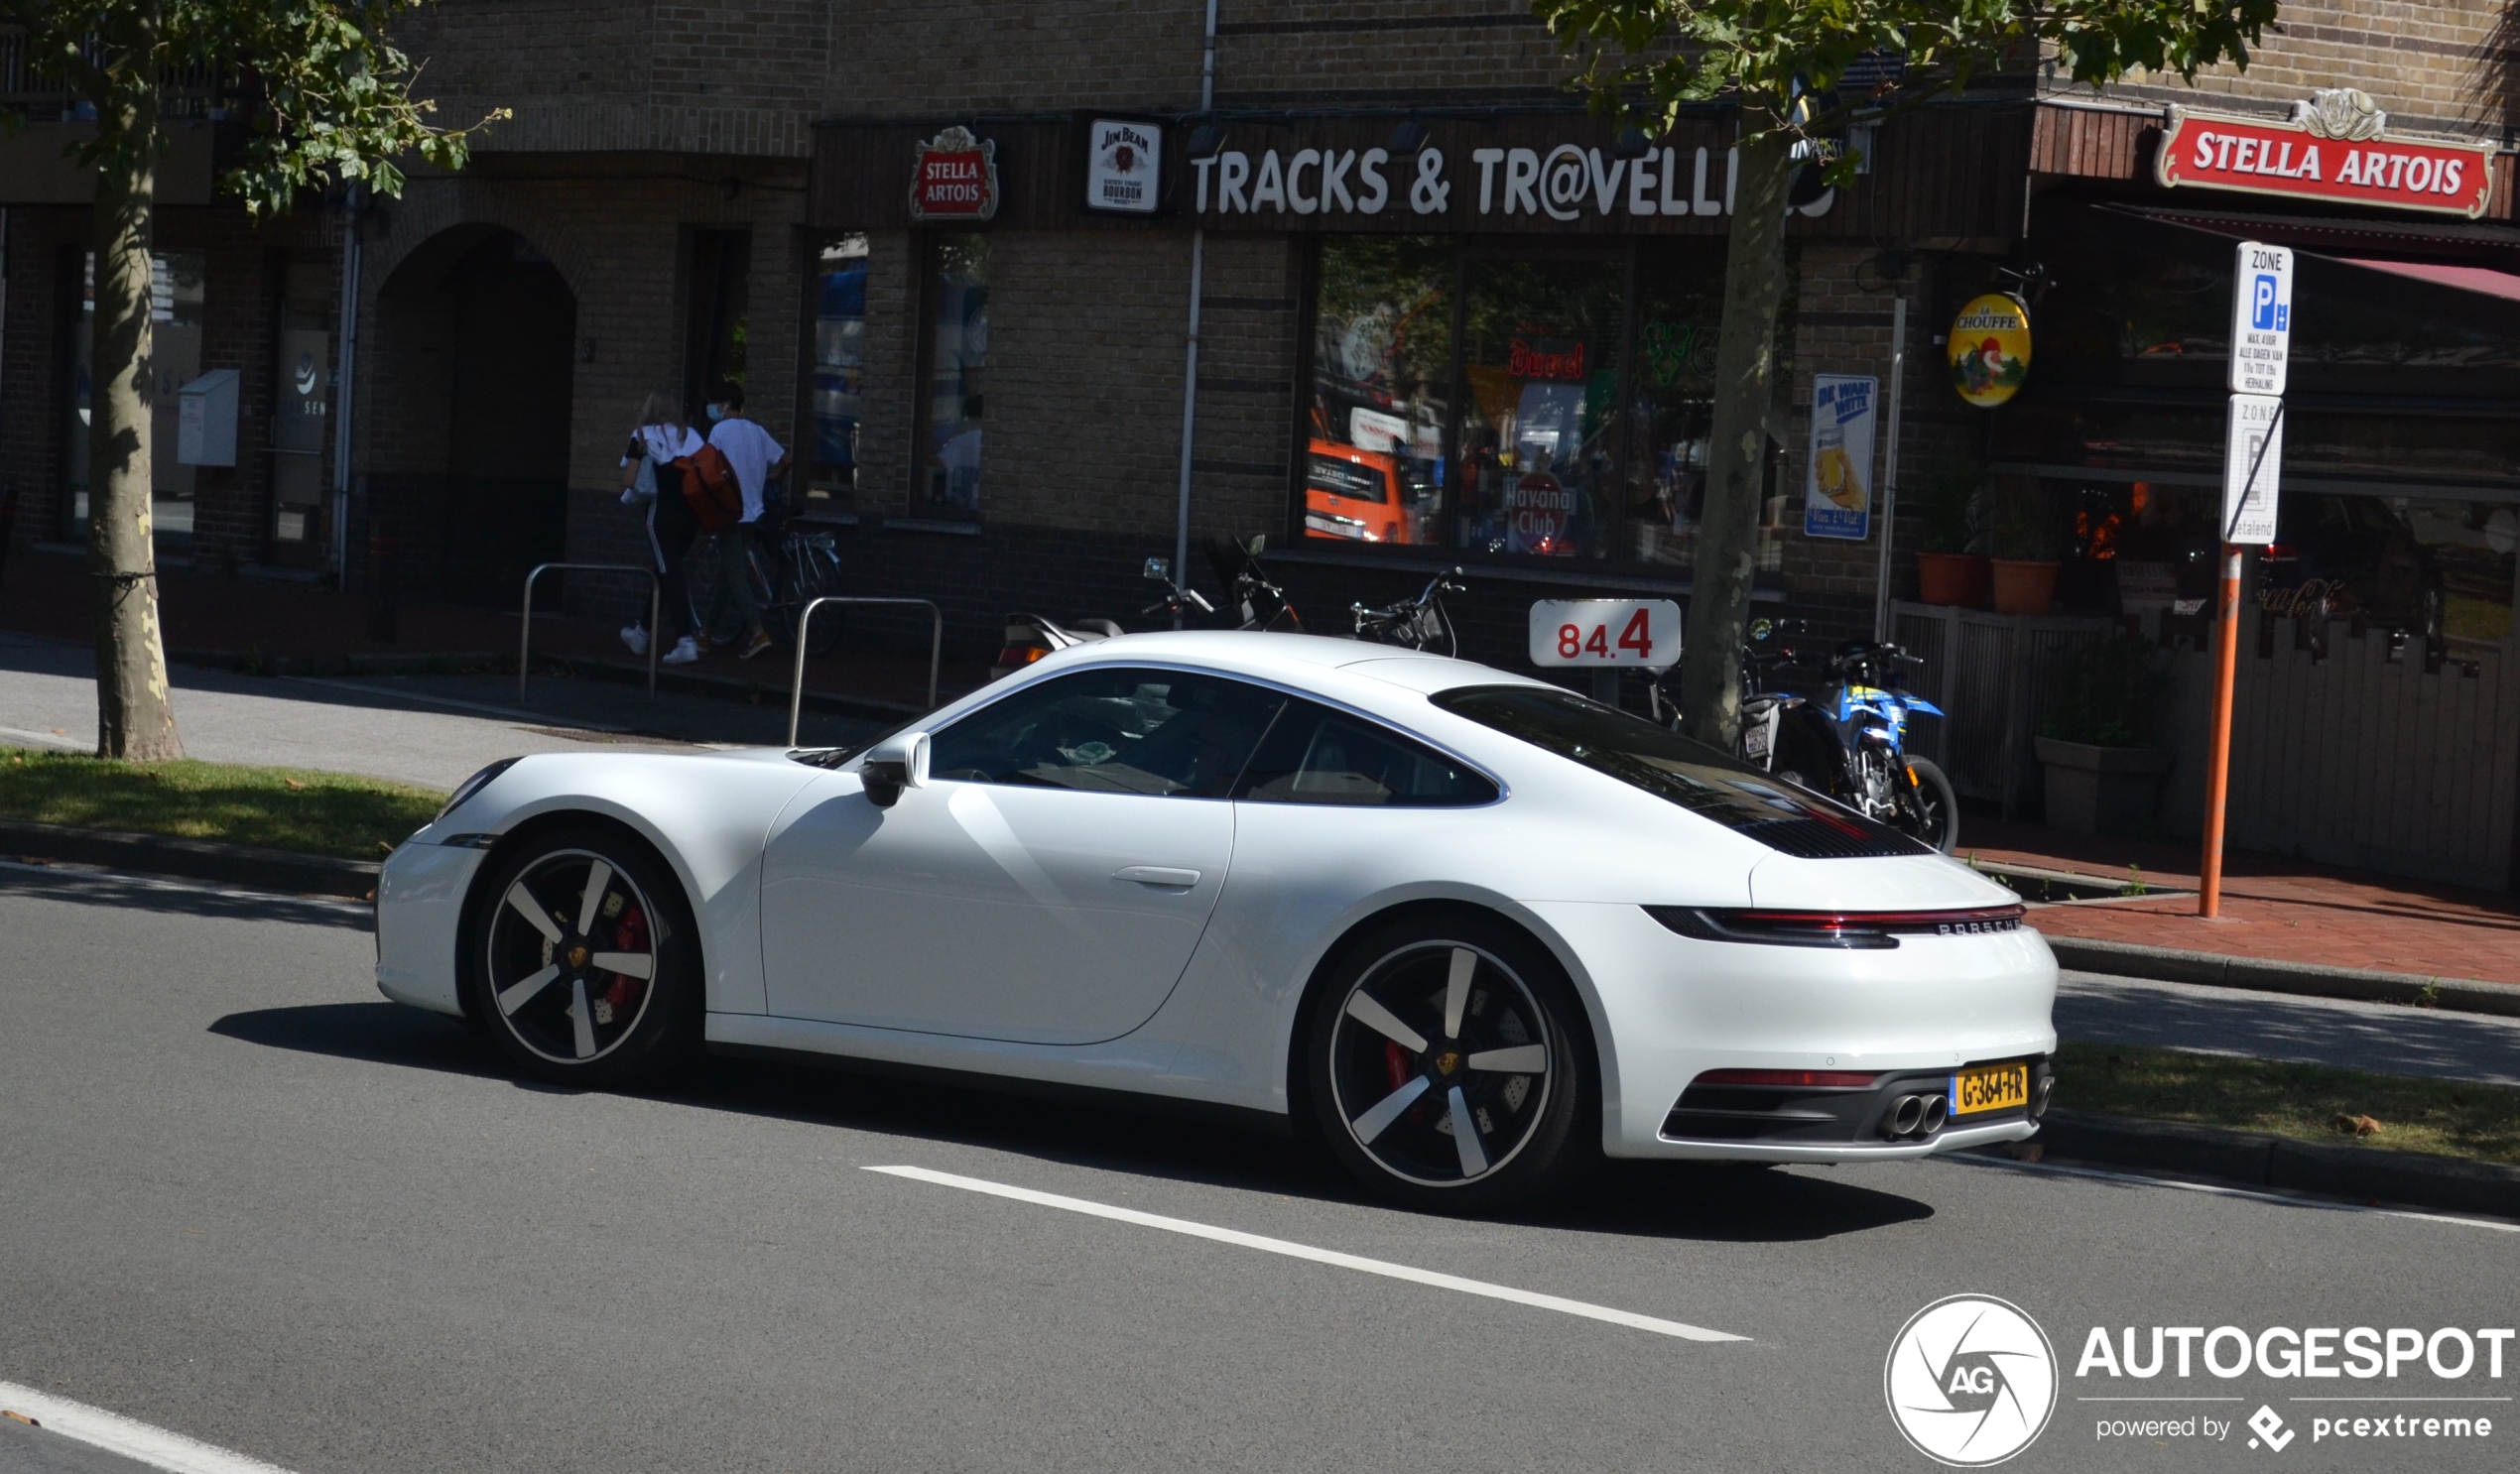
1698	777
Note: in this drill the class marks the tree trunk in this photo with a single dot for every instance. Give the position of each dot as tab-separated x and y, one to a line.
1736	457
135	717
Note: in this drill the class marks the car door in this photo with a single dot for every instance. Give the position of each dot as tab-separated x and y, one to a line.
1049	883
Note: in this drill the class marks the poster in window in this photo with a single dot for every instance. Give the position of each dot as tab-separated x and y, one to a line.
1836	491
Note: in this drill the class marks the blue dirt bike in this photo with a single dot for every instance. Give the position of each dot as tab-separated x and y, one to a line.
1848	738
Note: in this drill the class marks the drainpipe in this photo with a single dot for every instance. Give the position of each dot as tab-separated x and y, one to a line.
342	385
1190	369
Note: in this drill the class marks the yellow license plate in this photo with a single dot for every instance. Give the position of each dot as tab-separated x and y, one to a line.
1990	1087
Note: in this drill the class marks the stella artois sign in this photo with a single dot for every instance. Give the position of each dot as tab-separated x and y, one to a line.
2336	147
954	178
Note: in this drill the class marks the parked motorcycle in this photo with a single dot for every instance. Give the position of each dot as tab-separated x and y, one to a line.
1416	623
1848	740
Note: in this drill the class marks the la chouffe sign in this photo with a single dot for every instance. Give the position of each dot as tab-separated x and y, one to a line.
953	177
2336	147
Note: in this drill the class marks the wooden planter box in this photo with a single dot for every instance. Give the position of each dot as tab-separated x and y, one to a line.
2102	789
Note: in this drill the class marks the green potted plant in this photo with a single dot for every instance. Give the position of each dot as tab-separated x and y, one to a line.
2029	547
1951	562
2095	739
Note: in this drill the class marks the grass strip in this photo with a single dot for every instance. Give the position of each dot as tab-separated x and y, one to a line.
283	809
2308	1102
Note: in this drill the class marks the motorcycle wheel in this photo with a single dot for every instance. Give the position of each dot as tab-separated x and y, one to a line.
1938	808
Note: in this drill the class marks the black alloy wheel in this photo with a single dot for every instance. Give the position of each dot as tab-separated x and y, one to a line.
583	960
1938	808
1448	1066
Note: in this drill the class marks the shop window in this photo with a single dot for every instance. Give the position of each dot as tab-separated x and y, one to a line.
301	394
1539	446
840	373
1671	403
956	349
1382	373
175	295
718	318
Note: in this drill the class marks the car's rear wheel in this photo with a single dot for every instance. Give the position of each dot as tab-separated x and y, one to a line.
584	964
1447	1066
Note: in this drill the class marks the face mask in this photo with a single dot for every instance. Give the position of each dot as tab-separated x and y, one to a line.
717	412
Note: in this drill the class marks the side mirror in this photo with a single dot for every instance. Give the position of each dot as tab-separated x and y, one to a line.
892	764
1159	570
1259	542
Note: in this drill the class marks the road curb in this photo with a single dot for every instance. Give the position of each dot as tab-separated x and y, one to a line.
2307	979
285	870
2253	1159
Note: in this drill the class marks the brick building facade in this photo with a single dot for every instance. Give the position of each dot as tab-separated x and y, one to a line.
689	193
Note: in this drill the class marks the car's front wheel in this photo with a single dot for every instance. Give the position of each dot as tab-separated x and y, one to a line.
583	960
1447	1066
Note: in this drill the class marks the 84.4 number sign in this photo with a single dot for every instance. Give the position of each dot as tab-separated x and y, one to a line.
1605	632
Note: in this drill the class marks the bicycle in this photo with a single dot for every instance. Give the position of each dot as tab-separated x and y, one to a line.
1416	623
798	569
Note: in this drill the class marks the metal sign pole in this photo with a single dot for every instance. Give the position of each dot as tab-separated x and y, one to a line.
1889	509
2253	455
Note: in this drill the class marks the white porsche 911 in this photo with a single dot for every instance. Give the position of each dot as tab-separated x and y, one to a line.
1468	929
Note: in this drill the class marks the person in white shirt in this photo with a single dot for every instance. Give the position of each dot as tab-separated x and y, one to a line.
650	478
755	458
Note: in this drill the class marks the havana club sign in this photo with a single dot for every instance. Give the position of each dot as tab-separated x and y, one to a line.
2336	148
954	178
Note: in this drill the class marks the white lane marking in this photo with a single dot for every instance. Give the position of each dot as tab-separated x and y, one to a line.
2324	1205
132	1439
98	878
1331	1256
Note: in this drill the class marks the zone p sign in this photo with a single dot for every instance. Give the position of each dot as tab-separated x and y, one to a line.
2261	317
1605	632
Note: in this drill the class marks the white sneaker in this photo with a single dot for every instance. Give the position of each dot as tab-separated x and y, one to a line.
683	654
636	638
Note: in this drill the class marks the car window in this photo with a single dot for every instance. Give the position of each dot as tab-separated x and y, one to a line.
1698	777
1315	755
1114	730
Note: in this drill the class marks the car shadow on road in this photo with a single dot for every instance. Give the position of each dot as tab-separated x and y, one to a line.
1660	1200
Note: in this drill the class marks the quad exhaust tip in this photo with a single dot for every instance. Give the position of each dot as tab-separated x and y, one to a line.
1913	1116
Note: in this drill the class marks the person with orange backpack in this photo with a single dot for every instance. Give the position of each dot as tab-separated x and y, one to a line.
739	446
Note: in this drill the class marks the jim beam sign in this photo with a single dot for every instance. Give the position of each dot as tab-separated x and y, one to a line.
2336	147
1124	161
953	177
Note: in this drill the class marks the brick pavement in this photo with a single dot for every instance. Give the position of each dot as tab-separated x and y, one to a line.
2273	909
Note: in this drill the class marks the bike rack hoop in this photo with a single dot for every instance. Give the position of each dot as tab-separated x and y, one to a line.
804	617
525	616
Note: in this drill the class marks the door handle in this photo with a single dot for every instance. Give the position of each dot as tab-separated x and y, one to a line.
1157	875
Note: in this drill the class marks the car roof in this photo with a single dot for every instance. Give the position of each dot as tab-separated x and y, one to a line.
1297	659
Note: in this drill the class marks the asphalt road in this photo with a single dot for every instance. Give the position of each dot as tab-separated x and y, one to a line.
243	1200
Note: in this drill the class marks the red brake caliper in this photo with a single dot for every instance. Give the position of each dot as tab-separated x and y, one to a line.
630	936
1395	1064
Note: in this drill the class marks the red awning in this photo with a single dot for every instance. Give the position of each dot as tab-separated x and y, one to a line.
2479	279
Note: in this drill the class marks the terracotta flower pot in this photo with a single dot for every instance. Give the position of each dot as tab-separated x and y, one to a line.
1952	579
2024	587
